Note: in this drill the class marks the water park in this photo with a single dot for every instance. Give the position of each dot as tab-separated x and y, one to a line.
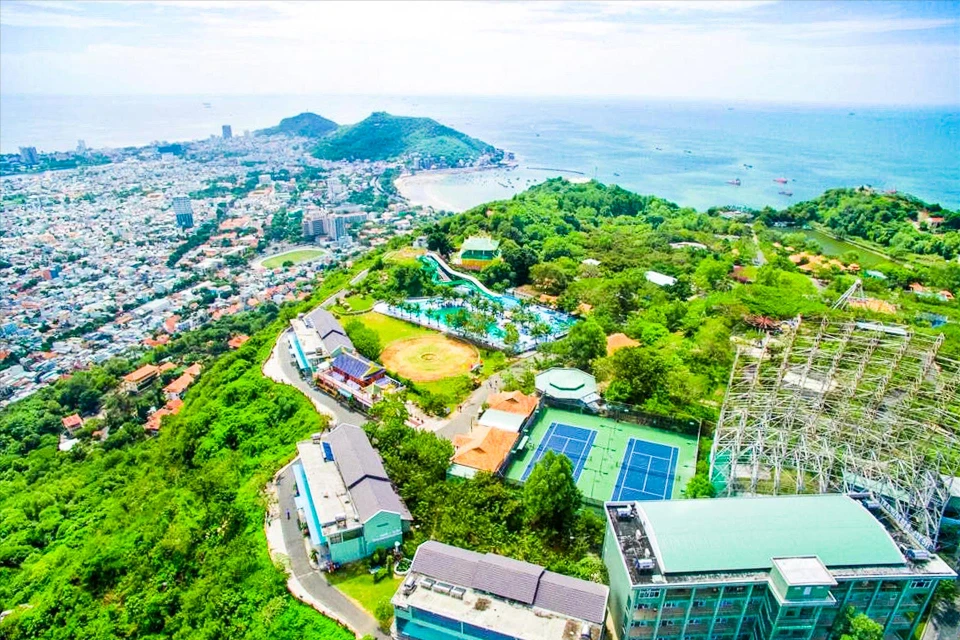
468	309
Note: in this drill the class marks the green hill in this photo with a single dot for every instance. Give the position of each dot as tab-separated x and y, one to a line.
386	137
897	221
308	124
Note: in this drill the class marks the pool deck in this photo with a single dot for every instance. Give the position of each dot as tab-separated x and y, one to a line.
599	476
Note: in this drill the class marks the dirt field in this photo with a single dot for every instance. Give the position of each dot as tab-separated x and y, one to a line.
429	358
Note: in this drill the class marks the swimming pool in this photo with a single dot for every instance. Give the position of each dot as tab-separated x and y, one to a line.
473	311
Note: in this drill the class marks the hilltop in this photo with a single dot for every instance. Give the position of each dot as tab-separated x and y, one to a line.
898	222
382	136
307	124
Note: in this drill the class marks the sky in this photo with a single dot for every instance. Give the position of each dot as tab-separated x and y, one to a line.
872	53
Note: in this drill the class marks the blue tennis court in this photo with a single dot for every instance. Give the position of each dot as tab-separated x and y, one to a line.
573	442
647	471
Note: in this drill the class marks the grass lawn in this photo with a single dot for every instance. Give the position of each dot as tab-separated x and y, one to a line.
355	582
295	257
390	329
355	304
406	255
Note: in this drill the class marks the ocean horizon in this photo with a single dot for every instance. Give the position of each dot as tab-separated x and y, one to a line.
692	153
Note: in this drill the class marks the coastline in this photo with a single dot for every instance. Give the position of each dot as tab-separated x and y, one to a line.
433	188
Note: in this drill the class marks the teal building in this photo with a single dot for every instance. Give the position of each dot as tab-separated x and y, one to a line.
762	568
344	497
456	594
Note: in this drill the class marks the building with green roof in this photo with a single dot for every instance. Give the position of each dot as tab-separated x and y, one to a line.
477	252
762	568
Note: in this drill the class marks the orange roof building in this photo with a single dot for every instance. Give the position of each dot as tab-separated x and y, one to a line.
172	408
483	449
194	369
237	341
513	402
135	381
72	423
619	341
166	366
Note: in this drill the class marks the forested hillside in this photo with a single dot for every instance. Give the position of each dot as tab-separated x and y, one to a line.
140	538
899	221
386	137
308	125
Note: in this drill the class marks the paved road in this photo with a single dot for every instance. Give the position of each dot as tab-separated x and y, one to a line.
312	580
340	294
944	622
761	259
461	421
291	375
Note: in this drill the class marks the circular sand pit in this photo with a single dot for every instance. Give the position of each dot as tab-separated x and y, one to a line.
429	358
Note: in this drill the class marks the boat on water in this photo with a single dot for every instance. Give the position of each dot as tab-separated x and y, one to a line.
781	180
735	182
747	166
616	174
786	193
687	151
659	148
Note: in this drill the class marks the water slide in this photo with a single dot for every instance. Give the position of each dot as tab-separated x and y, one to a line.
459	275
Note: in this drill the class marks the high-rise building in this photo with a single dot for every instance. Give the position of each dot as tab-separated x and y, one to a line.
81	146
184	211
763	568
28	155
227	132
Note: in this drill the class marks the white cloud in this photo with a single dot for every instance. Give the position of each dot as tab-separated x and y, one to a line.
703	51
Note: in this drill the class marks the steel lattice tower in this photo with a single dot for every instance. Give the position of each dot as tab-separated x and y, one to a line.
844	406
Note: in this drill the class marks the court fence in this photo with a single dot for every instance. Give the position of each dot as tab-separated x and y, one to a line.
631	413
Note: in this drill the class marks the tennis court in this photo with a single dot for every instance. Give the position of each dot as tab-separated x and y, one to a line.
597	475
647	471
573	442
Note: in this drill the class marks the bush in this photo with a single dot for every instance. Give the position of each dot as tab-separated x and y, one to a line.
384	614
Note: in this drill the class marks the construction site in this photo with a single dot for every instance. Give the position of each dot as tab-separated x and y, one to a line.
846	406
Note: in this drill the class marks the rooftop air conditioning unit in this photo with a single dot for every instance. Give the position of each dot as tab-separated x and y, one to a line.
644	564
918	554
624	513
409	585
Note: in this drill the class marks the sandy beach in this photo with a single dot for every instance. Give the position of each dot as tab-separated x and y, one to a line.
457	190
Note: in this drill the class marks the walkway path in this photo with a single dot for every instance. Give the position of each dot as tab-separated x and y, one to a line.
461	421
339	295
279	368
307	583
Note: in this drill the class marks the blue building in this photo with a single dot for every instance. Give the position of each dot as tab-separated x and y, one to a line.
184	211
345	497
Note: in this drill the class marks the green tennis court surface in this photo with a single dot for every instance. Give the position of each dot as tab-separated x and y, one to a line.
602	468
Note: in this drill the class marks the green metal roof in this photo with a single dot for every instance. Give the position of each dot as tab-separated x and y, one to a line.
741	534
566	384
479	243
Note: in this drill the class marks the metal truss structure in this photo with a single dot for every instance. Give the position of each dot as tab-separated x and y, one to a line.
844	406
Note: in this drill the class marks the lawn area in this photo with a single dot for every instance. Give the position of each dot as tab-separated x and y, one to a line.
390	329
406	255
296	257
355	304
355	582
455	388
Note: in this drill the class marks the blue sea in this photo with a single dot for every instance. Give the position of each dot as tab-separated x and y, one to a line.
684	151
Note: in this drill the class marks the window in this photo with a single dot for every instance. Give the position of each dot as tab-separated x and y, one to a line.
807	590
671	605
648	593
699	603
920	584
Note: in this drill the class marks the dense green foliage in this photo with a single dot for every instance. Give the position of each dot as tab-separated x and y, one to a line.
897	221
366	340
853	625
483	513
308	125
160	537
382	136
550	495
